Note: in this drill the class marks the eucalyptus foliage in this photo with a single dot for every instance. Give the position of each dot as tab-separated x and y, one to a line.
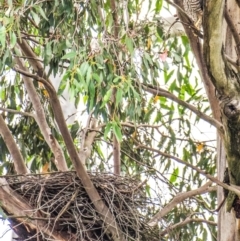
108	54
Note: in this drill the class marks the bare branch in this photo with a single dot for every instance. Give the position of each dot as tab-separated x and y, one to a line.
204	173
88	138
234	32
115	18
116	144
18	161
176	200
167	94
185	222
116	156
17	112
59	160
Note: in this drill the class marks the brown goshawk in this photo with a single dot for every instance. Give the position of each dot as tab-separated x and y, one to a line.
194	9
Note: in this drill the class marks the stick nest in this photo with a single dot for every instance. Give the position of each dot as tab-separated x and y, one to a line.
63	201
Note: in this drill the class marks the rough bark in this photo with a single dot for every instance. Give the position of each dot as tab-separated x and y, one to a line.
196	47
224	76
217	73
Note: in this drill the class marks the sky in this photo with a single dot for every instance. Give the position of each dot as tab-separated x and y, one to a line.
5	231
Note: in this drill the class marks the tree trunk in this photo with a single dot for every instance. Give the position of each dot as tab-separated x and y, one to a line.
221	43
227	228
226	220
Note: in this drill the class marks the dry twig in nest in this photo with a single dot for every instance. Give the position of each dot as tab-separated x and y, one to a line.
63	202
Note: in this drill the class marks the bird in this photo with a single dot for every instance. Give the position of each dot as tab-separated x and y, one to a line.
194	9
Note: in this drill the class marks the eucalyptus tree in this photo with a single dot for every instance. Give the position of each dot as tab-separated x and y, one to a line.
138	105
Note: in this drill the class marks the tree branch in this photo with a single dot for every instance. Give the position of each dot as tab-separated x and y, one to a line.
12	203
18	161
200	171
213	46
87	139
116	144
176	200
196	47
111	225
234	32
185	222
40	118
165	93
17	112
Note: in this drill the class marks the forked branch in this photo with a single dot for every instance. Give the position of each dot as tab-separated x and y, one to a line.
178	199
111	225
40	118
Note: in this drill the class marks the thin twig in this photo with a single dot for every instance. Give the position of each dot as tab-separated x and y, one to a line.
167	94
17	112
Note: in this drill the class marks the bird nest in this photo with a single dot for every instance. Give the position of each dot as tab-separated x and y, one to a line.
62	198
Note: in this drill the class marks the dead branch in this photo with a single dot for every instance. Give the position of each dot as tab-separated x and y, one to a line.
185	222
178	199
18	112
88	136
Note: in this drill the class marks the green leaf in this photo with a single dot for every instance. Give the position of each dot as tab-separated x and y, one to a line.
119	95
3	36
89	75
117	131
2	213
47	53
83	68
91	95
129	44
106	97
148	189
97	78
40	10
158	6
35	17
107	129
13	39
174	175
69	55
